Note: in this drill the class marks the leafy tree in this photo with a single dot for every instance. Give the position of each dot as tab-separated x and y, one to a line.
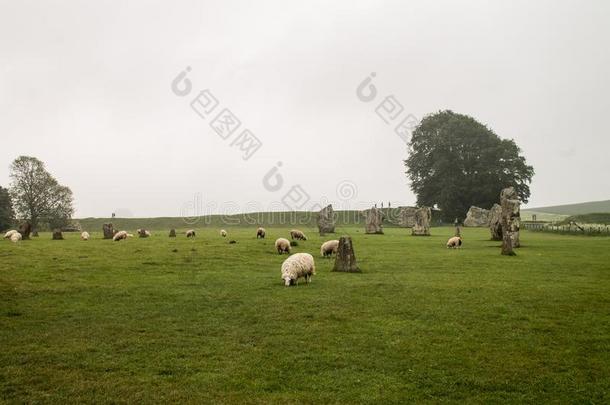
455	162
37	196
7	216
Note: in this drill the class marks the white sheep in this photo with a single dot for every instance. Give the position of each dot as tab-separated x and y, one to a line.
190	233
85	235
120	236
329	247
296	266
223	233
260	233
282	245
15	237
454	242
9	233
296	234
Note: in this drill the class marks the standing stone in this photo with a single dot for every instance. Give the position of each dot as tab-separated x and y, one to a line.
407	216
326	220
477	217
374	218
423	216
172	233
458	232
35	234
346	259
108	230
495	222
511	220
142	233
57	234
25	229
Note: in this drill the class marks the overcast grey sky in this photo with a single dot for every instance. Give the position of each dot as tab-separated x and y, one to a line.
86	87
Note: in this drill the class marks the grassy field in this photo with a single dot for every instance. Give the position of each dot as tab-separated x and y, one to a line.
542	216
204	321
574	209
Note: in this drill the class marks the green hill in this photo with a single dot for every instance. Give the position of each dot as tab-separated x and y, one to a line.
574	209
593	218
302	219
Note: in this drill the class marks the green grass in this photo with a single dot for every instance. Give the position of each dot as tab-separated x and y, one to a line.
204	321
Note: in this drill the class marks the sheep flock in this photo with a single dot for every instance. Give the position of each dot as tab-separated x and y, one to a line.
296	266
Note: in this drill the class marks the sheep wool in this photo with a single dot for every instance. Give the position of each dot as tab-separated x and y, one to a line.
454	242
260	233
296	234
329	247
223	233
85	235
15	237
9	233
282	245
296	266
120	236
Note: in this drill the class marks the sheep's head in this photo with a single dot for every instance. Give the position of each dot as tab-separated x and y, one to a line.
287	281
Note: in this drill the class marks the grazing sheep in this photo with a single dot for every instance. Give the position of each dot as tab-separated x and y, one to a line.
9	233
120	236
329	247
223	233
296	234
15	237
296	266
454	242
282	245
190	233
260	233
143	233
85	235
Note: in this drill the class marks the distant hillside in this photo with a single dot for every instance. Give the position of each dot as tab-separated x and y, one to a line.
267	219
574	209
593	218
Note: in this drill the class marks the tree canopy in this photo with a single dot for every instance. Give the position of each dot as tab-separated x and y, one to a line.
7	216
455	162
37	196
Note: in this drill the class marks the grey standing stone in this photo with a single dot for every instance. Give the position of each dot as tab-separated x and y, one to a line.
374	219
57	234
423	217
495	222
25	229
511	220
326	220
407	217
345	260
172	233
108	230
477	217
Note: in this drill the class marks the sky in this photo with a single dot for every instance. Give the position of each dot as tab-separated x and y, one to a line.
135	105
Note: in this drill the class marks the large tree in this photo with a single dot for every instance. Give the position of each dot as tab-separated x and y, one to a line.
37	196
7	216
455	162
